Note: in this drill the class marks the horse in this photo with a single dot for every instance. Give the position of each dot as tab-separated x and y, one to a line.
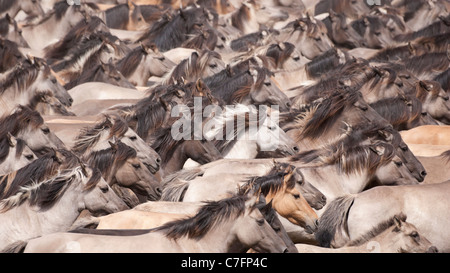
174	27
254	133
120	165
52	26
126	16
10	55
238	170
176	149
403	113
382	203
10	31
142	63
37	171
391	236
27	82
23	214
107	73
31	8
29	125
199	65
278	187
251	15
96	137
86	53
310	33
254	86
14	154
235	218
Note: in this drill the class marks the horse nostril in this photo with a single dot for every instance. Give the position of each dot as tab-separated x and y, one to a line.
288	104
296	149
158	191
316	223
324	198
158	160
423	173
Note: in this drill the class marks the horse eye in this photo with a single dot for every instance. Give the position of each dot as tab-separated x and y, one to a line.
267	84
133	138
398	163
136	166
317	39
29	157
414	234
296	196
213	65
53	80
260	222
161	58
423	114
297	58
104	189
404	148
46	130
377	33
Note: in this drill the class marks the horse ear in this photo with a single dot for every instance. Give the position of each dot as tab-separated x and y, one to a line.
398	223
386	135
366	22
58	157
130	4
12	141
379	150
200	85
9	18
113	145
425	86
229	71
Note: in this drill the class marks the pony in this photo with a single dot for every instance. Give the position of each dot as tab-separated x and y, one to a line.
236	217
53	199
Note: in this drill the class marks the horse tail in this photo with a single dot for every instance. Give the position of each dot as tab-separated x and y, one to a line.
334	220
16	247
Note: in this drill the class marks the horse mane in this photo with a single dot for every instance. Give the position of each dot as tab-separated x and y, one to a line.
128	64
327	112
45	194
5	5
322	63
22	75
397	110
89	136
436	28
19	119
381	227
209	216
204	39
273	182
173	27
37	171
238	17
427	62
391	54
446	155
115	15
348	160
61	48
221	131
5	148
112	157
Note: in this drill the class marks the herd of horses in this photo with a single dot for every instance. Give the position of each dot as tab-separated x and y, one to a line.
90	162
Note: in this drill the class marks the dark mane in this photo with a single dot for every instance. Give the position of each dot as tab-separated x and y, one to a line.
266	184
427	62
208	217
280	52
37	171
5	5
327	112
5	148
322	63
107	159
173	27
128	64
88	136
46	193
117	16
240	16
398	111
22	75
19	120
62	47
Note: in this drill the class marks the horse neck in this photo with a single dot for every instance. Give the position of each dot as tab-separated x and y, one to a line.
332	183
177	160
61	215
221	239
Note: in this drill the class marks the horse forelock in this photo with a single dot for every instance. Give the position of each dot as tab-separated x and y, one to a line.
89	136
